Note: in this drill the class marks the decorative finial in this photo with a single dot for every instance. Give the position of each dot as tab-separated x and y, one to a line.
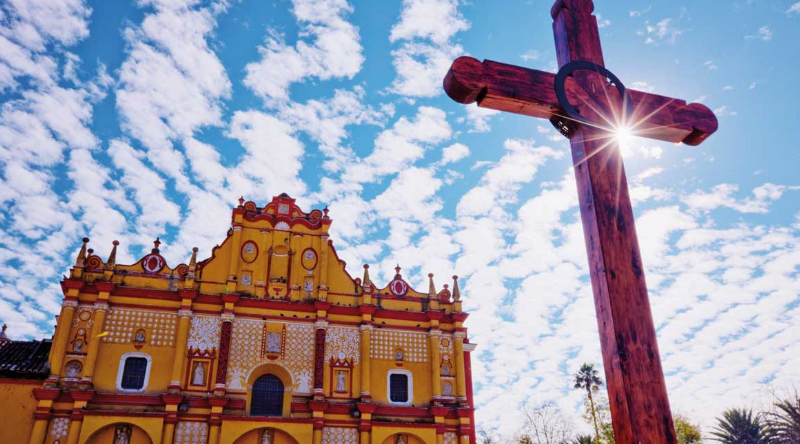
456	293
241	201
366	280
3	336
89	252
325	212
431	287
397	271
82	254
156	244
112	258
193	260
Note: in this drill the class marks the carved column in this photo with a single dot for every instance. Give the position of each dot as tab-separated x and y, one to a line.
436	382
322	294
100	310
461	386
179	360
365	424
81	399
319	361
62	335
366	360
224	352
171	402
44	398
215	420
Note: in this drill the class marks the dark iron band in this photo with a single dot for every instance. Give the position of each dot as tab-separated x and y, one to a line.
566	125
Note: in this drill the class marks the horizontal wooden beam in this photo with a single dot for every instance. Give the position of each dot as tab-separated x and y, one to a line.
531	92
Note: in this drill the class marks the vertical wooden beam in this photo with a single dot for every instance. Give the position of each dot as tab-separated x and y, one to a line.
637	392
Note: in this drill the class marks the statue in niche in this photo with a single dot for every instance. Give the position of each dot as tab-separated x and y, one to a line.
199	374
273	342
447	388
73	369
400	439
139	336
398	354
341	385
122	435
266	437
77	346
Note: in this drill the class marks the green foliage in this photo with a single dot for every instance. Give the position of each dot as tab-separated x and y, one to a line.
686	432
739	426
587	378
525	440
784	422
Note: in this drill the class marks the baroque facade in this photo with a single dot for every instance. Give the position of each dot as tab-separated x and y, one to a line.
267	341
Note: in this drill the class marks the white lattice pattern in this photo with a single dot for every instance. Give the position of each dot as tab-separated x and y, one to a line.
191	432
122	325
246	346
204	332
59	427
450	438
384	343
343	341
339	435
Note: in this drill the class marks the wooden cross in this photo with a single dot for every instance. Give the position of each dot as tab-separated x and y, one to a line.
638	396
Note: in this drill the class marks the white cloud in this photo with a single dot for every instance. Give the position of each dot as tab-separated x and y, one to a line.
454	153
531	55
794	9
764	34
500	184
334	51
478	118
663	32
425	28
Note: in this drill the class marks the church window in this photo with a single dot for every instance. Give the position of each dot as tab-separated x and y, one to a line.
400	387
267	399
134	372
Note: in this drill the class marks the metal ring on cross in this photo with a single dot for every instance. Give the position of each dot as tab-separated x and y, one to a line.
569	110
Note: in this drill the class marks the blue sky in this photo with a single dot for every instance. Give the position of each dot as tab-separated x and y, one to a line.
134	120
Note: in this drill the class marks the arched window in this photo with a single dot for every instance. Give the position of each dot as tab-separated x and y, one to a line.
267	397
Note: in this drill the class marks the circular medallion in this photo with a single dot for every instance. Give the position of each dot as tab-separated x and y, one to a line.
398	287
249	251
309	259
153	263
341	356
84	316
81	331
445	342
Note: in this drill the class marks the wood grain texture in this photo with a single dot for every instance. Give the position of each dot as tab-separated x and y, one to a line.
531	92
634	376
636	389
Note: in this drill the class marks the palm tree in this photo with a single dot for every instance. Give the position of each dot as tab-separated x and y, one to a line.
739	426
582	439
588	379
784	422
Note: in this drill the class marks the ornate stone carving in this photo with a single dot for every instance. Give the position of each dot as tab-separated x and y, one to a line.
343	341
191	432
384	344
122	324
204	332
339	435
319	358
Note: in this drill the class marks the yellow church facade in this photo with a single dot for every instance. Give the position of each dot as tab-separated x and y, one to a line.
267	341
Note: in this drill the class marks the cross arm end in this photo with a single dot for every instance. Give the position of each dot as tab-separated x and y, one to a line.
463	81
703	121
